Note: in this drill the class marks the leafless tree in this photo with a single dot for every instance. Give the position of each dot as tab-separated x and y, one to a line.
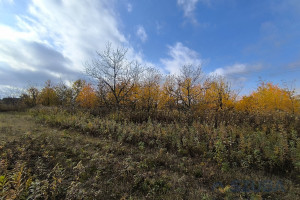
188	83
64	94
114	72
290	90
30	97
150	83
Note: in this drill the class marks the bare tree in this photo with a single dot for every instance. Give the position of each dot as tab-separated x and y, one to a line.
30	96
150	85
64	94
169	91
290	90
186	88
114	73
188	83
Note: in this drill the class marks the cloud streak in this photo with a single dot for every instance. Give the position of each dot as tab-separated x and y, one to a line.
141	33
180	55
54	38
189	8
238	73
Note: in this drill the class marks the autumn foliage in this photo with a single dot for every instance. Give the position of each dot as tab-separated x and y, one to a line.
270	98
124	87
155	95
87	97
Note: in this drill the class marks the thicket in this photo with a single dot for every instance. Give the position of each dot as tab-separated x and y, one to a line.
47	163
128	91
273	148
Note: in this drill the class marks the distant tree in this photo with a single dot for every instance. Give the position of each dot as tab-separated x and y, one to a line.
64	94
293	105
169	97
114	73
30	96
76	87
87	97
246	104
269	97
149	90
189	85
183	90
219	95
48	95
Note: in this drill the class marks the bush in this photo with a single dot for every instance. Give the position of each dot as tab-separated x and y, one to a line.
273	148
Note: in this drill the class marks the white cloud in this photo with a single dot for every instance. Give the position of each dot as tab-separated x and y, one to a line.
180	55
297	91
141	33
238	73
231	70
236	69
290	6
159	27
129	7
294	65
55	38
189	7
74	29
10	91
77	29
7	1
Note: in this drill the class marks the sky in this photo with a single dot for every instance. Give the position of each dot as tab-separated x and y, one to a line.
244	41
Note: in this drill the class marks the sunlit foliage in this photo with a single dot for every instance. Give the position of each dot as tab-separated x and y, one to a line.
87	97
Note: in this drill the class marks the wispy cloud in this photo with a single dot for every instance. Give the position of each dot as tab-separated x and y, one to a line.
180	55
141	33
189	7
159	27
54	38
129	7
6	1
237	73
291	6
294	65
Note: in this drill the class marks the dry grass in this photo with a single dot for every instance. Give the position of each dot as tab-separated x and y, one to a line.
42	162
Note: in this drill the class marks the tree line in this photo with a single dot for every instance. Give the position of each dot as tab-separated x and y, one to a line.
120	84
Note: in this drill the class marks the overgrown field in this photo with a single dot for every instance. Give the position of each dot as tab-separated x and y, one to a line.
56	154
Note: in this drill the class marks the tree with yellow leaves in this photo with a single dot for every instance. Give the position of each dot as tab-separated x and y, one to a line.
218	95
268	98
87	97
48	95
168	96
183	91
149	90
31	96
64	94
115	74
77	86
188	85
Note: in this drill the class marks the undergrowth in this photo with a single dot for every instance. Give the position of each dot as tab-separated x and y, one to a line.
99	158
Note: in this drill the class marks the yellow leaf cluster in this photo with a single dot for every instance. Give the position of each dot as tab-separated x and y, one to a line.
87	97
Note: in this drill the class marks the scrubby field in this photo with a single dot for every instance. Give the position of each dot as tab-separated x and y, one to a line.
50	153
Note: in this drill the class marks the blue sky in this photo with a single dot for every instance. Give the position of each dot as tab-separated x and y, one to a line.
243	40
